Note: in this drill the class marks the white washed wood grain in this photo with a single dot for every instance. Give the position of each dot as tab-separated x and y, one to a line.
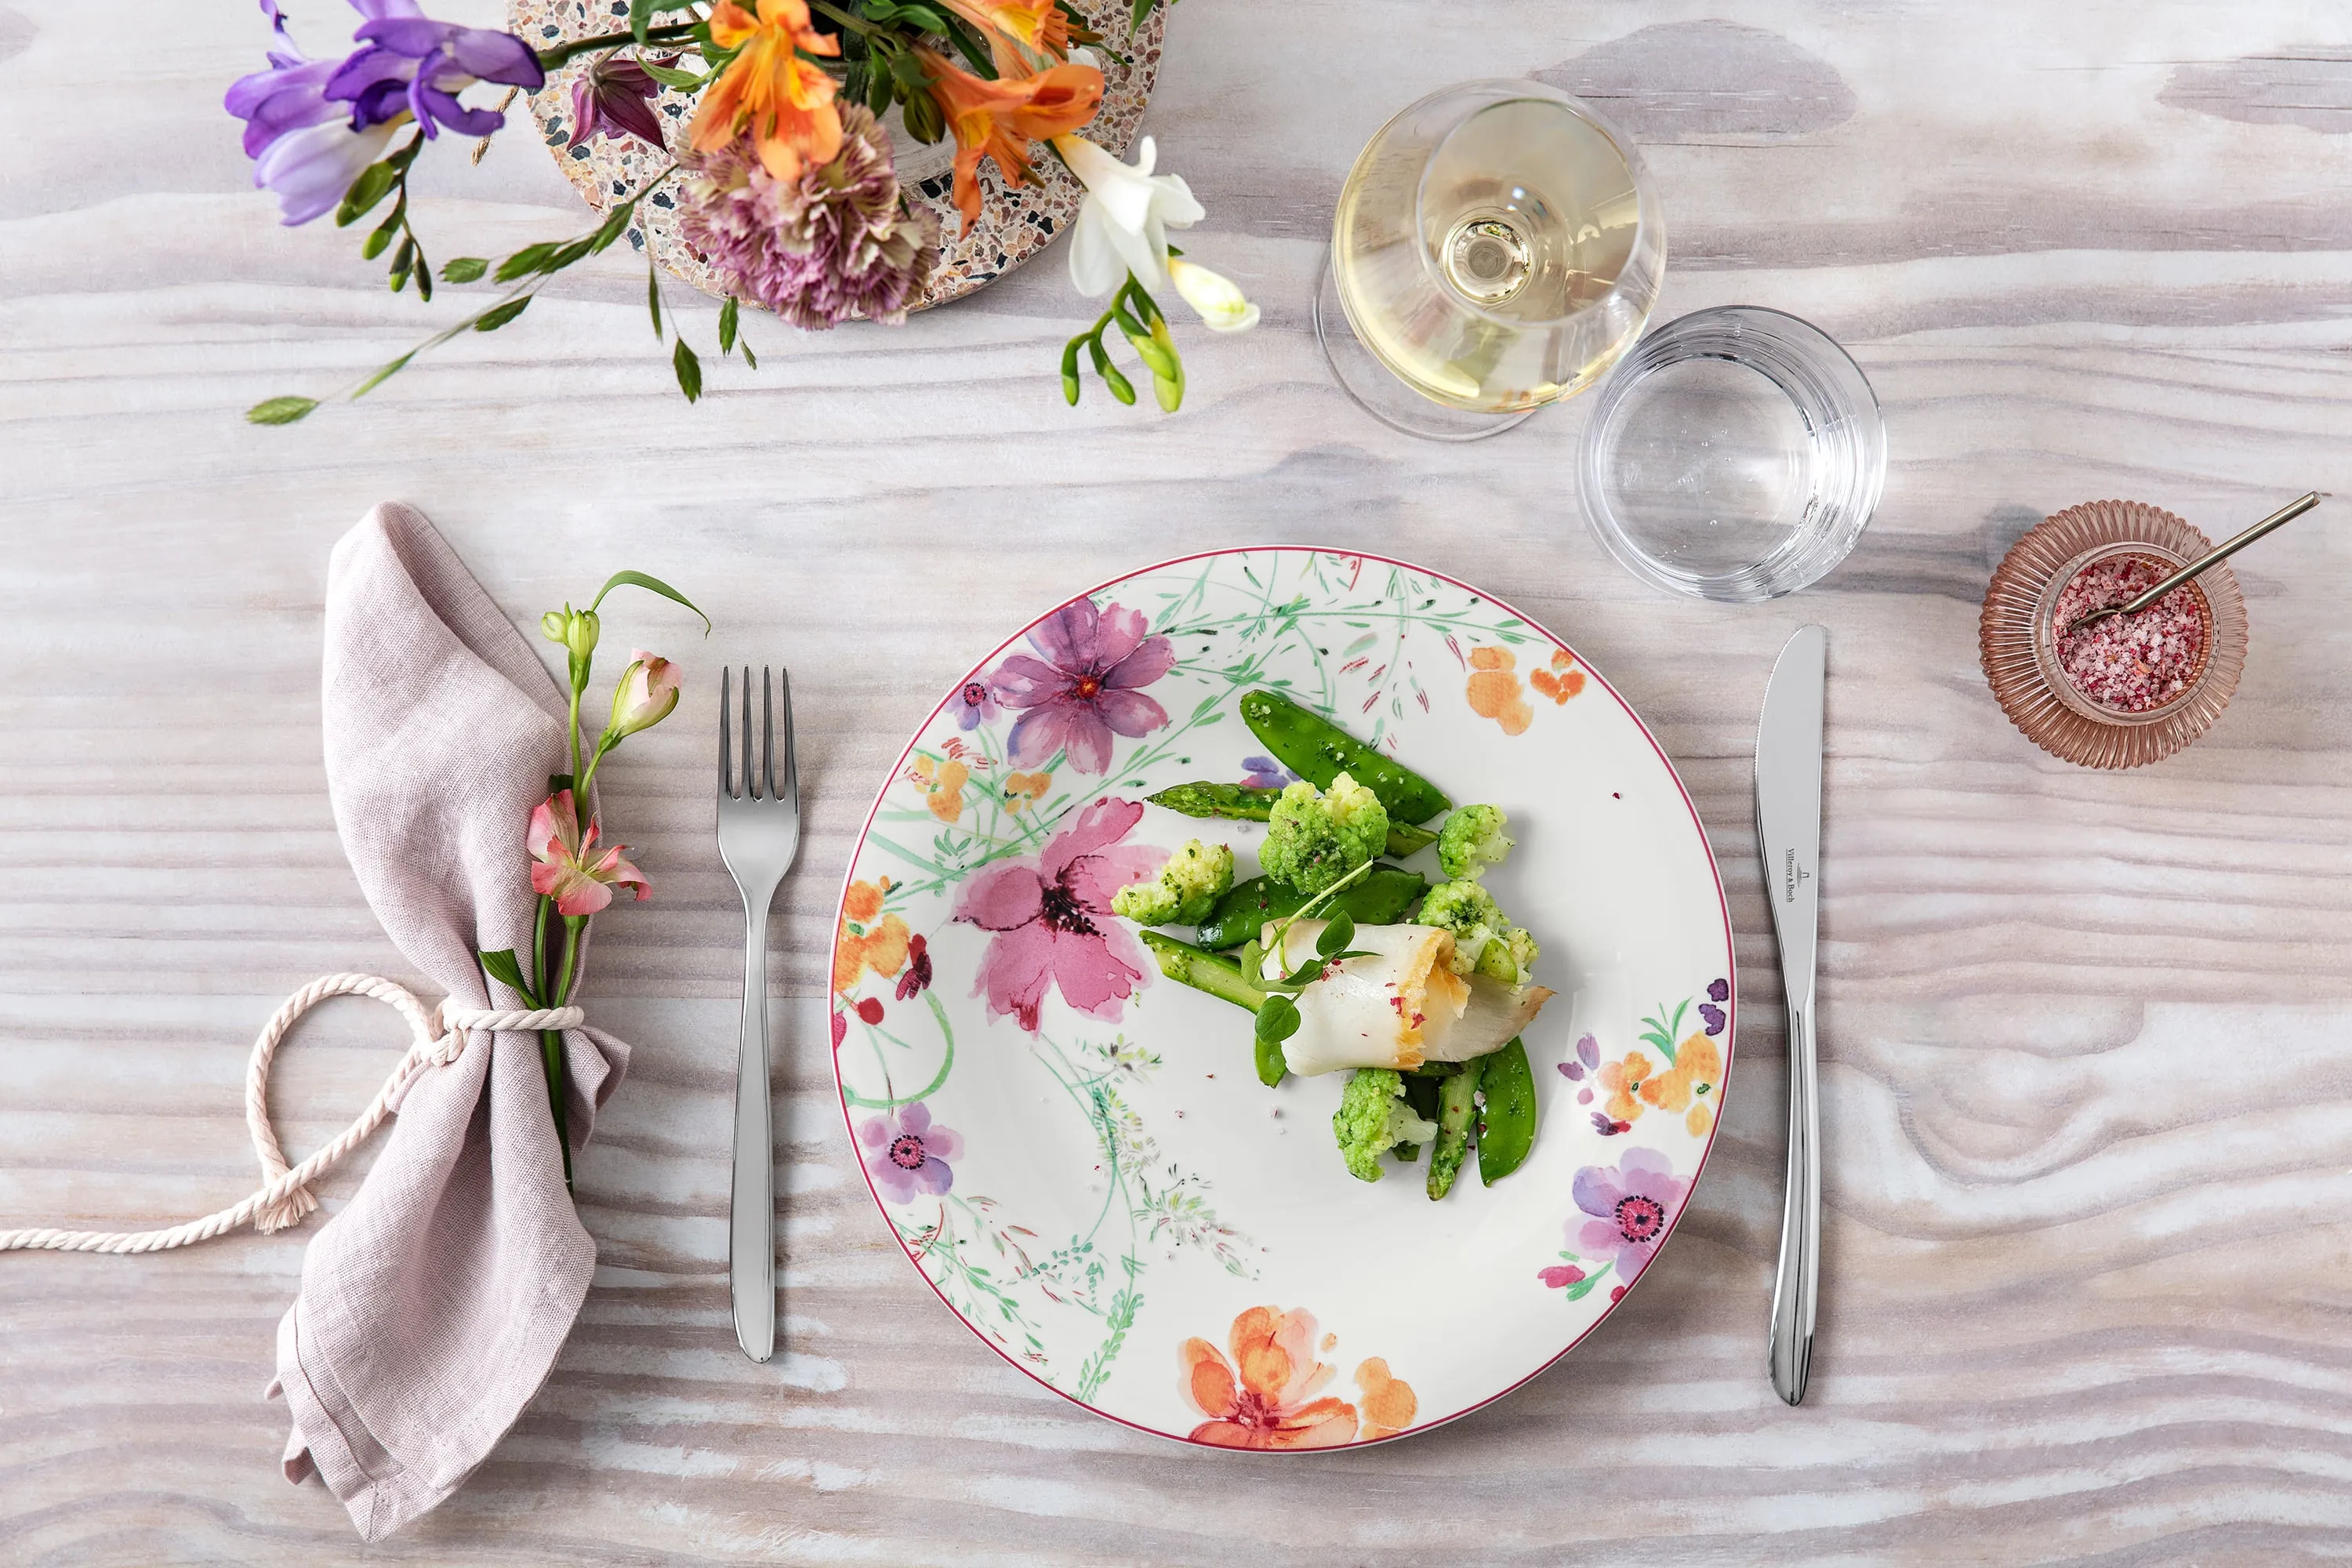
2088	1100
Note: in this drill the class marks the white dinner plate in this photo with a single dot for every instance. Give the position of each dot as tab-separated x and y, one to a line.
1075	1152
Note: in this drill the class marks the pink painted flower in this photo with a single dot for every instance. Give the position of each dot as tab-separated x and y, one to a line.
1087	687
906	1153
1053	919
647	692
579	874
1629	1205
1561	1276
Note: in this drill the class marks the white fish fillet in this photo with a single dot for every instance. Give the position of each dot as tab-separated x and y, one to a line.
1399	1005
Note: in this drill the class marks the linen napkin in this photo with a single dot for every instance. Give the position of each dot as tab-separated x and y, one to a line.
433	1305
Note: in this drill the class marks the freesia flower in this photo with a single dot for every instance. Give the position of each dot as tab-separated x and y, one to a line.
574	871
416	67
615	96
647	692
1052	921
1264	1398
907	1152
768	92
836	242
1085	688
1220	302
1631	1205
999	118
1124	220
304	150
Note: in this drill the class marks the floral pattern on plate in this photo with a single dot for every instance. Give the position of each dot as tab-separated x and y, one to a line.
1076	1153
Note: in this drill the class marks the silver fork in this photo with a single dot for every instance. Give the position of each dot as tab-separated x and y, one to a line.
759	834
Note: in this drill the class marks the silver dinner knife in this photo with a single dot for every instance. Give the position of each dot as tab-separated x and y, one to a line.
1789	832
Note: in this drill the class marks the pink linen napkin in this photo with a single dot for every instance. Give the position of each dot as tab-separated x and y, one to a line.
433	1305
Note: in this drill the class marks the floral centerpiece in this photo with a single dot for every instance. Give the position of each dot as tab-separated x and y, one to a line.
784	176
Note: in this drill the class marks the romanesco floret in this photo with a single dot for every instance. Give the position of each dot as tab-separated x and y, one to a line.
1185	891
1314	838
1484	940
1374	1117
1473	839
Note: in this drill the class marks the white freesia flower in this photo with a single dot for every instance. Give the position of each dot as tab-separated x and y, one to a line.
1217	298
1123	222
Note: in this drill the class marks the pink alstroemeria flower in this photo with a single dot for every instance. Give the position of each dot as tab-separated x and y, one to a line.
647	693
578	873
1053	919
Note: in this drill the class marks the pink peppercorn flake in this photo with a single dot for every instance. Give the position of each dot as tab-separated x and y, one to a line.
2131	664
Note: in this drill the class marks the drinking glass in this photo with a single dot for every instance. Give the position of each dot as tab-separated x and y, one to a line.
1498	247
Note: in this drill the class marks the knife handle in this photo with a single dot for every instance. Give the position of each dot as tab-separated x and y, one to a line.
1794	1286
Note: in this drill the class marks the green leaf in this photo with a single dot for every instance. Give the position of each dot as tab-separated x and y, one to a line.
615	224
381	376
651	585
878	91
685	81
1337	935
1277	1019
727	326
373	184
529	258
653	304
1142	11
967	42
689	371
749	357
497	316
464	269
506	969
641	16
279	410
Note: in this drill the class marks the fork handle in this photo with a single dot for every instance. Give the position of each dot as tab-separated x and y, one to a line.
1795	1288
752	1212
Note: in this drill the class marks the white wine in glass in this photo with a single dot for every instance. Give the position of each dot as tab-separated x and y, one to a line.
1496	248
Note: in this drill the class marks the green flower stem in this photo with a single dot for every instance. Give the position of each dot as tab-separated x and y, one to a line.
605	743
550	1045
846	20
668	32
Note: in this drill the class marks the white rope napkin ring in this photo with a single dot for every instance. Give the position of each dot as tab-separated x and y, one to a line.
285	1195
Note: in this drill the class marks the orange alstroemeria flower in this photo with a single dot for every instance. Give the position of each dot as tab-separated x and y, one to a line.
768	92
1041	29
1268	1403
999	118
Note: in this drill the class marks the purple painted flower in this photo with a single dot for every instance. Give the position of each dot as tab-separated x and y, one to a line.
1720	991
974	704
1712	1016
1087	687
1630	1207
615	96
1265	772
1603	1123
834	243
1588	1056
906	1154
415	66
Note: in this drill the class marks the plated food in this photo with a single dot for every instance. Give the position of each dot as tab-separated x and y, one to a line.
1125	981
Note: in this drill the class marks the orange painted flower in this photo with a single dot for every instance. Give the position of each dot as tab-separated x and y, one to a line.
868	938
1024	790
1562	681
783	102
1624	1079
1269	1402
942	786
1697	1072
999	118
1043	29
1494	692
1389	1404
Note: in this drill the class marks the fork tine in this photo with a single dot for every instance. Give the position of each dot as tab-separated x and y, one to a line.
750	757
790	790
768	730
726	759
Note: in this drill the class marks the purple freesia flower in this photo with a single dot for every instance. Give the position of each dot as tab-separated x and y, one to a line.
906	1153
416	66
1265	772
303	148
1630	1204
1087	687
615	96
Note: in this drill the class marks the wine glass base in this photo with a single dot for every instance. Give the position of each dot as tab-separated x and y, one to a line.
1376	389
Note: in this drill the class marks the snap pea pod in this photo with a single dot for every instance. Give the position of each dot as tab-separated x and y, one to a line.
1508	1129
1457	1104
1318	751
1241	803
1422	1094
1380	900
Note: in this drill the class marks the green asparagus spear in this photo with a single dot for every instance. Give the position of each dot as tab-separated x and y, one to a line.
1507	1130
1318	751
1239	803
1457	1104
1380	899
1188	965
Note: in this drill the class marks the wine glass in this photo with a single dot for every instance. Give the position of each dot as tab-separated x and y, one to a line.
1498	247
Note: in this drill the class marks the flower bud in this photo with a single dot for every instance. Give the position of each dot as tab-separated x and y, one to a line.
1220	301
647	692
576	630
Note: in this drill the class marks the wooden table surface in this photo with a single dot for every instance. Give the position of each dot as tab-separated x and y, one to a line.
2087	1089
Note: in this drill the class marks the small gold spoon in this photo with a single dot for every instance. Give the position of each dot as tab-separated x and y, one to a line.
2220	552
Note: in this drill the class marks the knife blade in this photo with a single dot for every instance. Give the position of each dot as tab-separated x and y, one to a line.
1789	833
